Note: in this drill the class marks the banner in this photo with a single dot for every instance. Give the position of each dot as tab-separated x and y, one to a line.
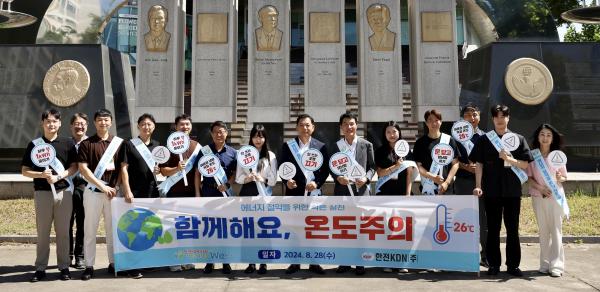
419	232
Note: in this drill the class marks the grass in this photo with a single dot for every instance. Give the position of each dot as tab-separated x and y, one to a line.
18	217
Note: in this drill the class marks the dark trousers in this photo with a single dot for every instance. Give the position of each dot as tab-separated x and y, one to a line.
77	217
465	186
495	209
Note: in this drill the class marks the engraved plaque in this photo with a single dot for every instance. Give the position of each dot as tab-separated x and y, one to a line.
382	39
66	83
212	28
436	26
324	27
528	81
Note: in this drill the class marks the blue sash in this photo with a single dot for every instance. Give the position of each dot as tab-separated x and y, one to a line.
166	185
404	165
557	193
220	176
143	150
56	165
493	137
309	175
103	163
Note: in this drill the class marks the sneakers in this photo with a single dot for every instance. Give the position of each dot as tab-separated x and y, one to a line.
88	273
388	270
188	267
38	276
516	272
555	274
262	269
175	268
134	274
79	264
403	271
65	274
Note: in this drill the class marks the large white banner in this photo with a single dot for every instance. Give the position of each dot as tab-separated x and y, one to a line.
421	232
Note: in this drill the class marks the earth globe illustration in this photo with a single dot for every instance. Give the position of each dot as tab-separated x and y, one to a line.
139	229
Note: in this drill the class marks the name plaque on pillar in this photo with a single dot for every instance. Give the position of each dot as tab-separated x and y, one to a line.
268	60
159	69
434	78
380	73
214	61
325	59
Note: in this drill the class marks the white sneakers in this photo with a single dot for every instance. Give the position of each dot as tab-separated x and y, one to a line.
555	274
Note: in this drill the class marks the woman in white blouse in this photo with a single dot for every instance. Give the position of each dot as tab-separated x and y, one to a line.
264	176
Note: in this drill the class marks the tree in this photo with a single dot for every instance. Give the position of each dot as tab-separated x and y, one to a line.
559	6
588	33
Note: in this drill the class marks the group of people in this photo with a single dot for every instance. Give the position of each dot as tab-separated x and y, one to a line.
90	171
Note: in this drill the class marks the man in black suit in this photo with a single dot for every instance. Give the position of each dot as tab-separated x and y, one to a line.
298	185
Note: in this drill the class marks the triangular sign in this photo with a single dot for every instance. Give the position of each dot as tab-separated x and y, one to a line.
160	153
287	170
401	147
511	141
557	158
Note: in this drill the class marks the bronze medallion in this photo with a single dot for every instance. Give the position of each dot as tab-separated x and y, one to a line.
528	81
66	83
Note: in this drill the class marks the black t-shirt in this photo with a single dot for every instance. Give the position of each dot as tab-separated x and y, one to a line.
65	153
422	152
142	181
464	157
497	180
384	158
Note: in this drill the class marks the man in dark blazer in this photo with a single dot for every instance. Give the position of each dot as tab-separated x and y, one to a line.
298	186
362	152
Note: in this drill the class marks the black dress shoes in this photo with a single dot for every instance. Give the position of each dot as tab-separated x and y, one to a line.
360	270
38	276
293	268
65	274
316	269
88	273
262	269
516	272
493	271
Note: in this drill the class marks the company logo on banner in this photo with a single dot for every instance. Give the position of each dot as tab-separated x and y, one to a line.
437	232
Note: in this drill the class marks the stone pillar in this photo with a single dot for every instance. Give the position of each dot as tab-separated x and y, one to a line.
380	60
159	70
434	57
214	60
324	59
268	60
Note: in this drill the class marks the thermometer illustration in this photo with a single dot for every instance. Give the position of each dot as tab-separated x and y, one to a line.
441	234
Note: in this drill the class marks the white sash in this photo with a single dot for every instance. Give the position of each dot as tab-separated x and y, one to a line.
56	165
493	137
262	189
166	185
143	150
557	193
309	175
404	165
220	177
106	158
429	186
343	146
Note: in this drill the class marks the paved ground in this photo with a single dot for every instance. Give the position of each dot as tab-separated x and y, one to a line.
582	275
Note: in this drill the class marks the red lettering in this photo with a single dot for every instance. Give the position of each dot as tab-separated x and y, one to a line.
316	224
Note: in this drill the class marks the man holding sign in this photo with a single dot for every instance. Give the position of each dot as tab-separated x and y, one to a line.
50	208
305	182
98	152
359	175
498	178
219	184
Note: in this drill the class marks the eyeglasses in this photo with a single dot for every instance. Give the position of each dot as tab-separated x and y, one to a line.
79	124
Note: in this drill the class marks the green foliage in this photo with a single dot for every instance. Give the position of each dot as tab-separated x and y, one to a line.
559	6
588	33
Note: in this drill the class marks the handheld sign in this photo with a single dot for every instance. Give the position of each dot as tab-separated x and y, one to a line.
209	165
357	172
43	155
161	154
286	171
179	143
401	148
247	158
462	131
312	160
557	158
442	154
510	141
340	164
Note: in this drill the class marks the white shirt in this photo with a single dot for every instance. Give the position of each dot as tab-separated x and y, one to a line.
351	148
266	168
